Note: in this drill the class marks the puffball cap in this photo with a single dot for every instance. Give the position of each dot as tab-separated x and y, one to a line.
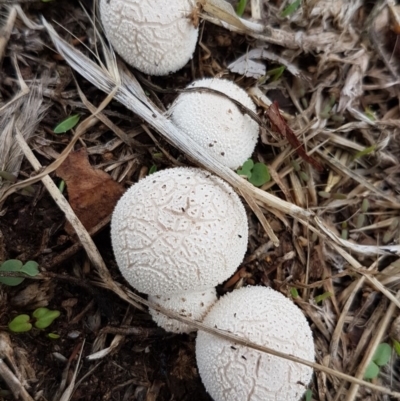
193	304
235	372
216	123
177	230
156	37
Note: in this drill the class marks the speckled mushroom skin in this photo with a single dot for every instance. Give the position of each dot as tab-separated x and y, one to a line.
156	37
232	372
216	123
177	230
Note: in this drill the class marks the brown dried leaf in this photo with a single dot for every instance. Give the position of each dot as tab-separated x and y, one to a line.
92	193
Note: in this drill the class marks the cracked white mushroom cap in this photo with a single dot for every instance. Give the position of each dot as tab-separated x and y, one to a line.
193	304
216	123
156	37
177	230
232	372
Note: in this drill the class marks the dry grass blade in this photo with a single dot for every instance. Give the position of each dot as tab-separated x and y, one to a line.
71	387
5	32
378	336
82	233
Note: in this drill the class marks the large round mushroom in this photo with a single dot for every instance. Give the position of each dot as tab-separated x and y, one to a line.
178	230
156	37
216	123
232	372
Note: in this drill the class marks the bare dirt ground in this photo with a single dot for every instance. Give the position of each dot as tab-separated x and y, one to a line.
333	233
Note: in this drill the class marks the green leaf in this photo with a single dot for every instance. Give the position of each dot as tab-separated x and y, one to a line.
67	124
40	312
365	152
291	8
11	265
45	317
294	293
396	346
30	268
382	354
241	6
153	169
246	168
308	395
372	371
276	73
322	297
259	175
53	336
20	324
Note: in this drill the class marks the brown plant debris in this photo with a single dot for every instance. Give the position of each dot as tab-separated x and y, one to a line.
92	193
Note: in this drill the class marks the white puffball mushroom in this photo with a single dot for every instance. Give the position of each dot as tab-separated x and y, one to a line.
232	372
194	304
216	123
177	230
156	37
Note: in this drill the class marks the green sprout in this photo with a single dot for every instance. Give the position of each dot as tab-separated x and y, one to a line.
364	152
45	317
67	124
41	318
322	297
152	169
380	358
276	73
256	173
13	265
291	8
20	324
241	6
396	346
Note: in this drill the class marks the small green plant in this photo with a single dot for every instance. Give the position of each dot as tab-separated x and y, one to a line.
276	73
396	346
67	124
14	265
364	152
308	395
291	8
241	6
152	169
41	319
380	358
256	173
322	297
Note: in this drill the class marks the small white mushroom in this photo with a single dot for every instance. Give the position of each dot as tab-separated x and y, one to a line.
178	230
156	37
232	372
194	304
216	123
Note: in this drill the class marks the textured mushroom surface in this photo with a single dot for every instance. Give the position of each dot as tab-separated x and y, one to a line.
179	229
236	373
193	304
156	37
216	123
